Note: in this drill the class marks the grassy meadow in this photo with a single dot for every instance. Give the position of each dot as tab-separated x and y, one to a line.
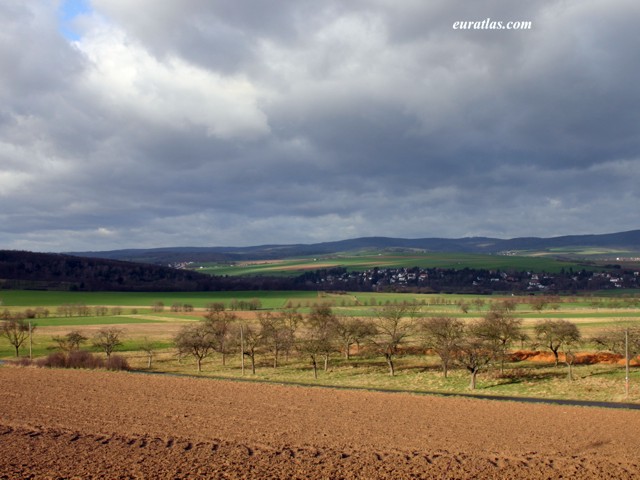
142	322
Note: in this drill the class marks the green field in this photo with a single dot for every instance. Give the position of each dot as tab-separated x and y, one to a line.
391	260
594	306
31	298
84	321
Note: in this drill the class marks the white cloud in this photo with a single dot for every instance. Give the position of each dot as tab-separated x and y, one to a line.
128	80
105	232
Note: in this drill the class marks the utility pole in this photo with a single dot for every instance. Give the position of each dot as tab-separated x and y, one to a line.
242	347
30	342
626	361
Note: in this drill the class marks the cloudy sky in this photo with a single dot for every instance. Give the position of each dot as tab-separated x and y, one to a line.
146	123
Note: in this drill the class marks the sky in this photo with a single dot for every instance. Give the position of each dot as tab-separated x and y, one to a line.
147	123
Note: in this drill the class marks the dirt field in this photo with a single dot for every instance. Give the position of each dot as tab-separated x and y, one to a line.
81	424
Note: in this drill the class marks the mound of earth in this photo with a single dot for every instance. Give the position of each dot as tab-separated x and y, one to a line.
92	424
582	358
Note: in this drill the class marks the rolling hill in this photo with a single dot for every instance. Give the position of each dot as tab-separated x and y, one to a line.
570	245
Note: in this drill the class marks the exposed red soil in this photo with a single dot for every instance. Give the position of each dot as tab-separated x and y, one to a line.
582	358
82	424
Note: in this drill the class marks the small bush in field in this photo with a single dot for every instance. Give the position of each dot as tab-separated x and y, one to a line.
53	360
117	362
82	359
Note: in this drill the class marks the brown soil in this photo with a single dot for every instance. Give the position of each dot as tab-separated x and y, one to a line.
81	424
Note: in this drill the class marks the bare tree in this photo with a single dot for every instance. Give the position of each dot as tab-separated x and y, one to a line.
292	320
70	342
319	335
464	306
539	302
253	341
148	347
16	331
196	340
523	338
624	341
442	335
157	306
323	319
508	305
553	334
81	310
394	325
278	331
107	339
214	307
475	351
219	324
478	303
613	340
352	331
569	350
500	326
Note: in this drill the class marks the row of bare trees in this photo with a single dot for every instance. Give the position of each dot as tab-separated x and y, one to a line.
83	310
317	336
391	331
475	345
222	332
107	340
17	331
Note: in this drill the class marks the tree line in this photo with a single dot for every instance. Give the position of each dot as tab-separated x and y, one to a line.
391	331
17	330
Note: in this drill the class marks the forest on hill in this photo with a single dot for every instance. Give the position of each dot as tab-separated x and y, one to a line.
22	269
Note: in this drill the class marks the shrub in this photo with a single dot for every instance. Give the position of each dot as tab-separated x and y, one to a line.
117	362
53	360
82	359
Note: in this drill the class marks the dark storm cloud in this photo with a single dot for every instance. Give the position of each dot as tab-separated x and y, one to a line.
208	123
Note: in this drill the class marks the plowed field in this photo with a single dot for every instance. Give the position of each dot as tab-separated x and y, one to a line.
82	424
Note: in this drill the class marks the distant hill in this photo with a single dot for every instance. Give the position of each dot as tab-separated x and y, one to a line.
622	241
87	272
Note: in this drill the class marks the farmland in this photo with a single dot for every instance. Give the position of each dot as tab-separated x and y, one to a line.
83	424
531	374
364	261
171	421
